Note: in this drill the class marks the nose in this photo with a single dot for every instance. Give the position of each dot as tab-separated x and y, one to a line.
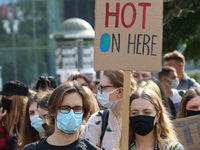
43	121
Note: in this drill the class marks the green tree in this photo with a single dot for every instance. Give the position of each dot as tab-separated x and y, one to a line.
182	26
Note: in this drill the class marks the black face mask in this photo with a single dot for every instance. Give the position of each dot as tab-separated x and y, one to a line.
142	125
192	113
6	103
44	126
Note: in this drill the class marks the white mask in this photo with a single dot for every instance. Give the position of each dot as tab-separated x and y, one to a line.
104	99
174	84
36	122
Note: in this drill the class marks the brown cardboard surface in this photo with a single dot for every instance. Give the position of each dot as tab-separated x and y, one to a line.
143	30
188	130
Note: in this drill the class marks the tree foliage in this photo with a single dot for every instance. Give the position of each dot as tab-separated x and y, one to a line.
181	25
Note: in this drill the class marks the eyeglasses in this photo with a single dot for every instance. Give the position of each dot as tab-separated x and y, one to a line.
101	87
66	109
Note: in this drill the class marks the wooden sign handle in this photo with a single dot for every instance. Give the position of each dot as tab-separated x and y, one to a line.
125	112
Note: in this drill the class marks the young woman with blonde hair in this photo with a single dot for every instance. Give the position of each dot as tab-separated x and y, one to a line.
150	126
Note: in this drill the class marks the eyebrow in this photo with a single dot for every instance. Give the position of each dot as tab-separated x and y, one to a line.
70	106
142	110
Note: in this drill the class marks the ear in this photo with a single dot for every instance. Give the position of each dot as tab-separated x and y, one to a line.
181	65
163	79
157	117
120	94
185	114
54	115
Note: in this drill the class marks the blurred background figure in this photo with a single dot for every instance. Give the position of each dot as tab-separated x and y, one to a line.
47	122
176	60
84	80
72	75
96	84
169	80
190	103
14	101
36	123
28	133
45	83
138	75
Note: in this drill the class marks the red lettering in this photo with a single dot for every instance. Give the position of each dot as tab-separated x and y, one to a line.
144	13
116	14
133	18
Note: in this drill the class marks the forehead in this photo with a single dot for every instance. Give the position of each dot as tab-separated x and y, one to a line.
194	101
72	100
142	73
172	73
105	80
80	80
141	104
41	111
171	62
33	106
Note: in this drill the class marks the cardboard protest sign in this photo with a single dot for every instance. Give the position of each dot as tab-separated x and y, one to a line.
128	35
188	130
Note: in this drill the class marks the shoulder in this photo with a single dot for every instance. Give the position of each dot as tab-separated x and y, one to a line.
89	145
85	144
32	146
175	146
95	119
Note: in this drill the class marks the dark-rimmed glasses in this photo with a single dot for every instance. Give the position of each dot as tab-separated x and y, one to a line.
101	87
66	109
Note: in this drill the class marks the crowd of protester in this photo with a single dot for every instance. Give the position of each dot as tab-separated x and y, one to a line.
85	114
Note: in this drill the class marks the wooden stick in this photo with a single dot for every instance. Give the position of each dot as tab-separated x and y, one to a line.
125	113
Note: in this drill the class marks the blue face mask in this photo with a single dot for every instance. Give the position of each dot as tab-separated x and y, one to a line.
36	122
69	122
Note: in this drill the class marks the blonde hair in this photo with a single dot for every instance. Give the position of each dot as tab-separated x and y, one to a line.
151	85
72	75
156	86
95	106
13	118
164	130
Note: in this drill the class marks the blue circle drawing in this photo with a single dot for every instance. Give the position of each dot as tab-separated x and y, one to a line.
105	42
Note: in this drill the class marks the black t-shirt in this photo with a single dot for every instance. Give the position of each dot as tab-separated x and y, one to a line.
76	145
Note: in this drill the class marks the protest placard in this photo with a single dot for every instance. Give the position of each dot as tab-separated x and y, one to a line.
188	130
128	35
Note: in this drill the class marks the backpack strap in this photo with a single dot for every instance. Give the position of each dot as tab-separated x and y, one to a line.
104	123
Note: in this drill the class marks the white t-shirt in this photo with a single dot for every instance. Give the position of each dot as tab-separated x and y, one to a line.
176	99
